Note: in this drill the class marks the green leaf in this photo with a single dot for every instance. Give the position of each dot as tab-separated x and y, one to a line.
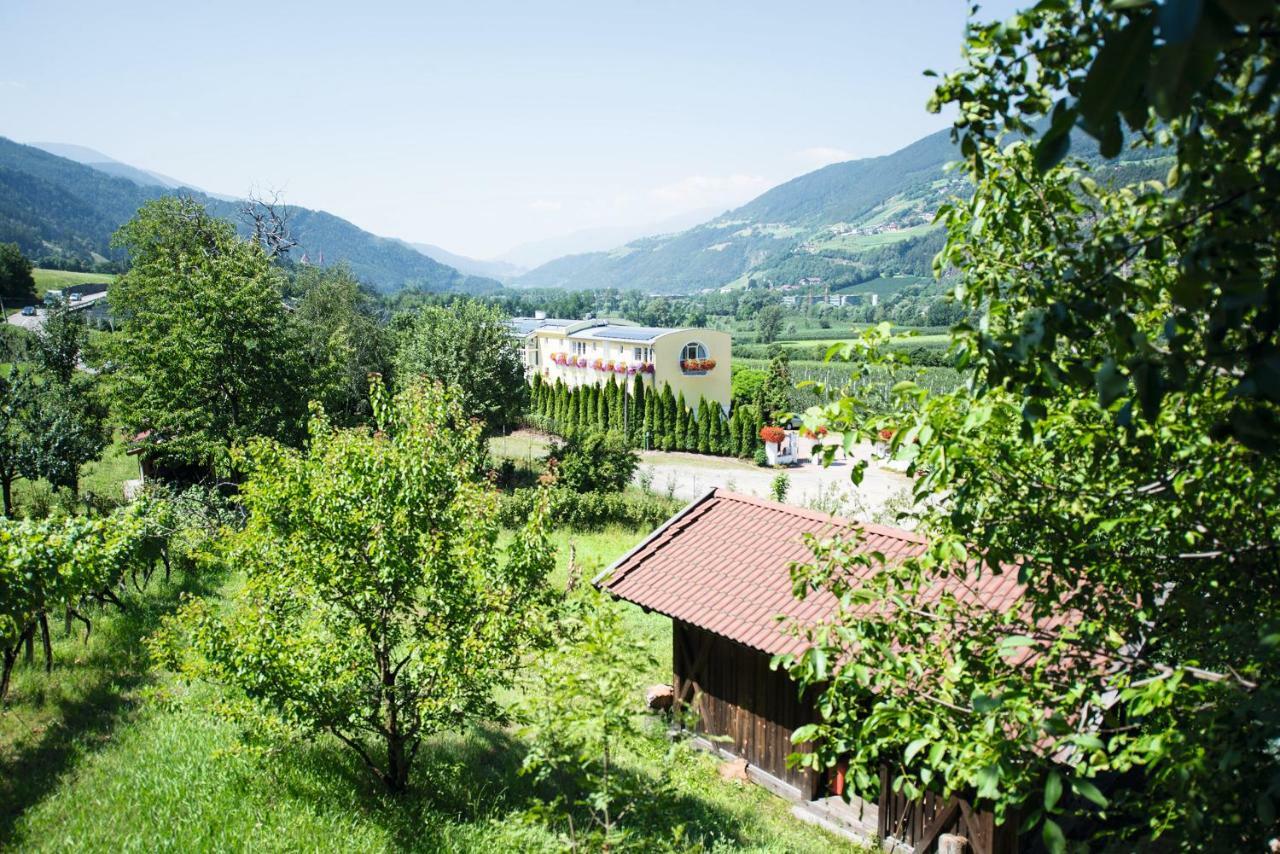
1052	836
1111	384
1088	790
1116	76
1052	790
913	748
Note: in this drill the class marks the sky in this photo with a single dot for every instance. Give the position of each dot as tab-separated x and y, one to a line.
480	126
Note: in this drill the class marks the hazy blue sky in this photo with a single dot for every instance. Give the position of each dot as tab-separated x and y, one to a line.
475	125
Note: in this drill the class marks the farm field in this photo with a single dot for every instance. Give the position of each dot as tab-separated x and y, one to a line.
107	753
928	340
885	286
54	279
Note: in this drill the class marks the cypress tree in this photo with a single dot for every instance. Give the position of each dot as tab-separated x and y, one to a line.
691	431
681	438
668	411
606	405
616	391
647	429
639	412
704	427
734	439
717	430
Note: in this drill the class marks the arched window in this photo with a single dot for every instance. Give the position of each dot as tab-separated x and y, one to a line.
693	350
693	359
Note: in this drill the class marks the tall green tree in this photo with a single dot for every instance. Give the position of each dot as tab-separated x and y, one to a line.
378	605
16	403
769	323
774	396
62	409
17	285
203	354
1116	449
680	440
669	410
641	418
343	341
467	346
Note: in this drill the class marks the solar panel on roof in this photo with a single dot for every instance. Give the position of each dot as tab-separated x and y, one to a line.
629	333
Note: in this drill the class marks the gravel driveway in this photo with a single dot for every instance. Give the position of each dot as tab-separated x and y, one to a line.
826	489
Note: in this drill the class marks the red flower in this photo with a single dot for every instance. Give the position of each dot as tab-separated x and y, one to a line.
773	435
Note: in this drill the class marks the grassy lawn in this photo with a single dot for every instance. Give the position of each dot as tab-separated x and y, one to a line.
522	445
105	753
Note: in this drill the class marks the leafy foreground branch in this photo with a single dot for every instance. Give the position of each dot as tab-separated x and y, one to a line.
377	605
1113	460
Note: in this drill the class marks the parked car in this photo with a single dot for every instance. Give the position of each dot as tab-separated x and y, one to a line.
28	311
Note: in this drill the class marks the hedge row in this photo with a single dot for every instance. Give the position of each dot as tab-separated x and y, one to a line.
648	419
589	510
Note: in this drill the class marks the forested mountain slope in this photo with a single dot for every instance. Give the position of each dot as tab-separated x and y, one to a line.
841	225
53	206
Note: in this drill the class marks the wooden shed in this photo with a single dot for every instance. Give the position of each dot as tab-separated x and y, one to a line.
720	569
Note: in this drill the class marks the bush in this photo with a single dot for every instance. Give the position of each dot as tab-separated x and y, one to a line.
761	458
584	511
780	486
594	462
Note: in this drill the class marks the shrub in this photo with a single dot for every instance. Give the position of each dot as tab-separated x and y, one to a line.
778	489
595	462
761	458
585	511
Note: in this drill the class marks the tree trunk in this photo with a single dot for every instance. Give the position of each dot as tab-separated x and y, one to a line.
46	643
6	485
10	658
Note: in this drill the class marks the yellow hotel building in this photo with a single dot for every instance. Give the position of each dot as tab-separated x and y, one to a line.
695	362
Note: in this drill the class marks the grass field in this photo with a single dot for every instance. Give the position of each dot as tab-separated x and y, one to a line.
938	339
885	286
47	279
863	242
108	754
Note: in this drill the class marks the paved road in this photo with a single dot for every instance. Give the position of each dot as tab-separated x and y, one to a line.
37	322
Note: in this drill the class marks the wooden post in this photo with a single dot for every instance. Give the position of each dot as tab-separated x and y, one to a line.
949	843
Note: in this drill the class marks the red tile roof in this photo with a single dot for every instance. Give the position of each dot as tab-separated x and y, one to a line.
722	564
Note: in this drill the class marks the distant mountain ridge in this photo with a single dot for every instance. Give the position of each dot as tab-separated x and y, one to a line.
499	270
839	226
783	235
54	205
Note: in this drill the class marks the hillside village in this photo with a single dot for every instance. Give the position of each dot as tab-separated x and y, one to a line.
922	502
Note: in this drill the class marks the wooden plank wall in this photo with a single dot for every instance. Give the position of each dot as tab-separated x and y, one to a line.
919	823
757	708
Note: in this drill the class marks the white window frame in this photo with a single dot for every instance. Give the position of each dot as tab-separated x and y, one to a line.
700	352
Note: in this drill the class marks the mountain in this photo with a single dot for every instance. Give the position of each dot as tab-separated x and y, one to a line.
500	270
840	226
819	225
103	163
52	205
538	252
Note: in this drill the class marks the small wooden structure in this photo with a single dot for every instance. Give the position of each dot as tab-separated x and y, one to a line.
739	697
720	570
